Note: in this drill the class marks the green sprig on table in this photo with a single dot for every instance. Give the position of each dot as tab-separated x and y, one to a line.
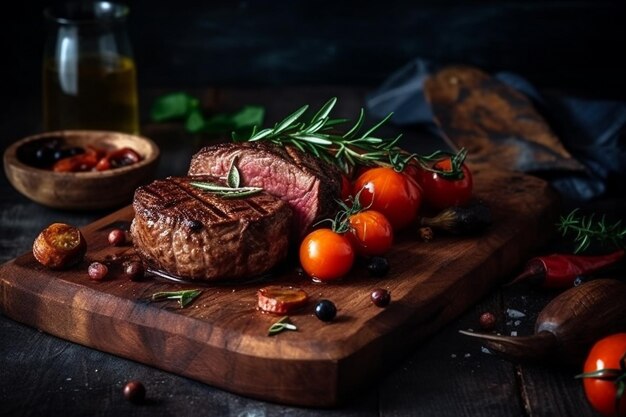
182	106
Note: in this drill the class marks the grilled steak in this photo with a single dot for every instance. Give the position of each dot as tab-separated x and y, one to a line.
193	234
309	185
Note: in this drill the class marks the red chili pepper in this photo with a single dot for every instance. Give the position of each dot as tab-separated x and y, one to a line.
561	270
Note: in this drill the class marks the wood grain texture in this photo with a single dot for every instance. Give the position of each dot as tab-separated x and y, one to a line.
221	339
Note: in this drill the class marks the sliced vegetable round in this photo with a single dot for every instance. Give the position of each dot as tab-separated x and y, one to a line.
279	299
325	310
326	255
371	233
59	246
394	194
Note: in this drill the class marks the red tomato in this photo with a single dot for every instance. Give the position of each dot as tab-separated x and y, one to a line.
441	192
326	255
371	233
607	353
394	194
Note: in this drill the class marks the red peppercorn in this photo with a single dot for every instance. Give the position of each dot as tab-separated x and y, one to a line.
117	237
487	321
380	297
133	270
97	271
135	392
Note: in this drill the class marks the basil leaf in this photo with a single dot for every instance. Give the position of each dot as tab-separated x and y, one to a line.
195	121
173	106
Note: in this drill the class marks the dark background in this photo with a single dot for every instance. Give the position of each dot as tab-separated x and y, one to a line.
574	46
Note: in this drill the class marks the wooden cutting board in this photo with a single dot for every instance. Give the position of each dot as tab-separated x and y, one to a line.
221	339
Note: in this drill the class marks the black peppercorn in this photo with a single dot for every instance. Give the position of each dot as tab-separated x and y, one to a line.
325	310
378	266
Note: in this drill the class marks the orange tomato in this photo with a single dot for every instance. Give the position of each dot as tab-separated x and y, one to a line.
326	255
371	233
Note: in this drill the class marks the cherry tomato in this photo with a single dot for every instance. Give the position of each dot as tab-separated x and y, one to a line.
118	158
607	353
394	194
441	192
326	255
371	233
81	162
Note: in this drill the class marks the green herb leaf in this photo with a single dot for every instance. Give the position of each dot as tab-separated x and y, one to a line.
288	121
226	192
184	297
195	121
248	116
587	229
281	325
181	105
325	110
173	106
233	177
317	138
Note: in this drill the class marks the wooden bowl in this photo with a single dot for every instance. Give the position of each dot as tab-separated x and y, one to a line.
81	190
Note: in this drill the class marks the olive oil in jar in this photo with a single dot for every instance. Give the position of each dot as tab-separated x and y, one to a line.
94	92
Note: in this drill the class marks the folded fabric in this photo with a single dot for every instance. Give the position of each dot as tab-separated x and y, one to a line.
593	131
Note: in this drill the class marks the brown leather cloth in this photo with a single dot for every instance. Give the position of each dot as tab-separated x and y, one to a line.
494	122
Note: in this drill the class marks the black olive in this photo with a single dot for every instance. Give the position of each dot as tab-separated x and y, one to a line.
66	153
378	266
325	310
44	156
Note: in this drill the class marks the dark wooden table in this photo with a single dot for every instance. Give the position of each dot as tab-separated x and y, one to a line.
446	375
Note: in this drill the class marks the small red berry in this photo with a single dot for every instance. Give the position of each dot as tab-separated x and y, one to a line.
133	270
117	237
487	321
135	392
380	297
97	271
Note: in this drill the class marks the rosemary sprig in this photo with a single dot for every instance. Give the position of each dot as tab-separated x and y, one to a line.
184	297
232	189
317	137
280	325
587	229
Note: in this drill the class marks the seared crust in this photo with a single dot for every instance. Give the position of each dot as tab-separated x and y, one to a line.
193	234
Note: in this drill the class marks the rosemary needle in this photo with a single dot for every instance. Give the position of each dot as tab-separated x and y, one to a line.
318	138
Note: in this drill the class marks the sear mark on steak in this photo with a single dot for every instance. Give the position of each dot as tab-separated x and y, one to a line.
197	235
309	185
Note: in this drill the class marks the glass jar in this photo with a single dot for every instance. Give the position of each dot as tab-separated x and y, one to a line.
89	75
